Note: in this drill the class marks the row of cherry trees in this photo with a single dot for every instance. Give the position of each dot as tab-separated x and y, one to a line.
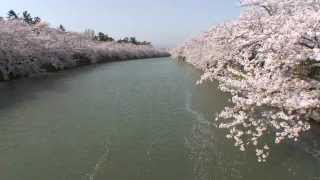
27	49
26	17
269	60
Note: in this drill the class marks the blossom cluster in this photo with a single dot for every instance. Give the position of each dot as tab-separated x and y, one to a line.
269	60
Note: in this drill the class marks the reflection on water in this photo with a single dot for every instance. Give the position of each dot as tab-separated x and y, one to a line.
208	160
99	164
214	157
137	120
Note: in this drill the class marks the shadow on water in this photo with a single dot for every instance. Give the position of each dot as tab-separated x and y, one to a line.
310	142
206	143
20	90
214	157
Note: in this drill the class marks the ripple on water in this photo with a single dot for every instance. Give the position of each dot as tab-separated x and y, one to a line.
98	165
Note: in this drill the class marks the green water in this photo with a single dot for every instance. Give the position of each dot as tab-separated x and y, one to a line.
133	120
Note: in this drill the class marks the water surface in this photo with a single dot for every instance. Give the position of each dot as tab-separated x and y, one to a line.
133	120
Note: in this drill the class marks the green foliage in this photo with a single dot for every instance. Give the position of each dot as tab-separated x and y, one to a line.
27	17
12	15
133	40
36	20
104	37
145	43
124	40
62	28
307	69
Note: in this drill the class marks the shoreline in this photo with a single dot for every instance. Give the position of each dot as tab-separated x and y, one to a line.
35	49
79	63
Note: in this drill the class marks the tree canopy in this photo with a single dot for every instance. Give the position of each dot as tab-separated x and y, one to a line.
103	37
26	17
269	60
62	28
133	40
12	15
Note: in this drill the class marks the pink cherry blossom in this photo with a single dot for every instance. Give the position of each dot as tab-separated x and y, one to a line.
268	59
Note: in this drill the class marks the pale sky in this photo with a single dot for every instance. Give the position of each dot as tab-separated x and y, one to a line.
165	23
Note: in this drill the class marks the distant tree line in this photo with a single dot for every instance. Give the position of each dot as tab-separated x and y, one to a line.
26	17
103	37
106	38
133	40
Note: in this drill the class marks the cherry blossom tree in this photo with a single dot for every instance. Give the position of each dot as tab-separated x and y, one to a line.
269	60
27	49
